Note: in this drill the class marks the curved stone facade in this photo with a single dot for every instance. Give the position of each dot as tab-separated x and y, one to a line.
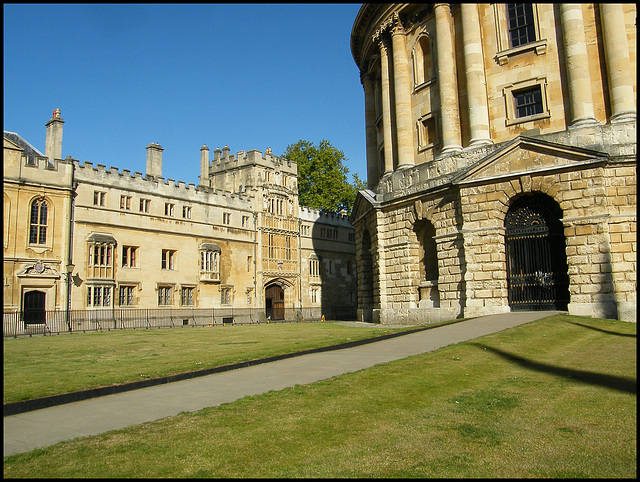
478	115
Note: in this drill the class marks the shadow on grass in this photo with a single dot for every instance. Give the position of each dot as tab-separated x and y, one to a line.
623	384
608	332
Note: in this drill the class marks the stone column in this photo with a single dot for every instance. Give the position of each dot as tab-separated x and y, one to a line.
577	61
370	123
402	84
616	49
447	80
386	109
476	82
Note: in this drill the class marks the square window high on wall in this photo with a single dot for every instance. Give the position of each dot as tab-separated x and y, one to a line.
526	101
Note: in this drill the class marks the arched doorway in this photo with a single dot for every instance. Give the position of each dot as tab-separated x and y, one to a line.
274	302
536	255
33	307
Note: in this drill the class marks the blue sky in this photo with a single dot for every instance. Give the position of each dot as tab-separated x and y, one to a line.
249	76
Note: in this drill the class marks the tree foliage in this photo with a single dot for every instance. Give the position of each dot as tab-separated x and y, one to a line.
322	176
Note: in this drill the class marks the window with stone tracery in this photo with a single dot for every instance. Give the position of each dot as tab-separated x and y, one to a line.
38	222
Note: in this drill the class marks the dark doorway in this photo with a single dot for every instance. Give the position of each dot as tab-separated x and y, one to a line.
33	308
274	302
536	255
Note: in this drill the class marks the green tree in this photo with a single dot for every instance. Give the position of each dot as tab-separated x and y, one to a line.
322	176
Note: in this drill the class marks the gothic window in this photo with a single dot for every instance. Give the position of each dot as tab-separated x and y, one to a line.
101	251
125	202
165	295
225	296
127	295
99	198
99	296
187	296
314	267
209	262
168	258
129	256
38	222
144	205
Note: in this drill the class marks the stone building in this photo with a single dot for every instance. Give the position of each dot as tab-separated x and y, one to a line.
501	160
85	237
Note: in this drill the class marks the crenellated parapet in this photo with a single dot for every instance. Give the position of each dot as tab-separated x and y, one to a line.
318	216
101	177
223	161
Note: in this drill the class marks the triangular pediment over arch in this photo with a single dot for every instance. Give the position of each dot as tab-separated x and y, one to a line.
527	156
364	203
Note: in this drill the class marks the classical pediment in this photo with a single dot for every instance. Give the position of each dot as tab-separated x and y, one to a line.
524	156
365	202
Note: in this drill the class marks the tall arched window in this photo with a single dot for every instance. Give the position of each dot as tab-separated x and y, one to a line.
38	222
422	61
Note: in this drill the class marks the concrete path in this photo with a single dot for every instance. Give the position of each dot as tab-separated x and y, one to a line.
40	428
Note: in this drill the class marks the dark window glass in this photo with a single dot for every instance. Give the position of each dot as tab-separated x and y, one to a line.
38	225
521	25
528	102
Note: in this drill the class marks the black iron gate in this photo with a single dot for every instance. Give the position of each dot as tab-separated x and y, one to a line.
536	256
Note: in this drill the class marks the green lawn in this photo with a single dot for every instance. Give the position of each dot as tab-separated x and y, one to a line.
552	398
67	363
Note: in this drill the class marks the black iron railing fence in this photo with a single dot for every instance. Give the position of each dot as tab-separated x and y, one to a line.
21	324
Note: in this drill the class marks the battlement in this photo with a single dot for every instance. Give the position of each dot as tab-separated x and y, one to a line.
112	178
223	160
319	216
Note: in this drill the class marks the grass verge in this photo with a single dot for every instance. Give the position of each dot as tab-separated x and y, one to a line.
55	365
552	398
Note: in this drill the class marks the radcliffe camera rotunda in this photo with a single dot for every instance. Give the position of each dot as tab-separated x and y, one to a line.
501	160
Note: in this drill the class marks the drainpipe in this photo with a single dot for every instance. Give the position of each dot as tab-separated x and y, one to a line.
70	266
255	260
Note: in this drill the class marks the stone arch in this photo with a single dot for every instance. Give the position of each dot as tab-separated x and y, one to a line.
366	283
277	296
427	263
537	270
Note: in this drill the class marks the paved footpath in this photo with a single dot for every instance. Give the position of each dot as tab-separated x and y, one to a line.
40	428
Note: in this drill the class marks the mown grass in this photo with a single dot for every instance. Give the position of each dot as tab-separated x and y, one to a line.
52	365
552	398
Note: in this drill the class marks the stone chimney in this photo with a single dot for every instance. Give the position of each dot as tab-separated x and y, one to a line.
53	143
225	153
204	165
216	154
154	160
